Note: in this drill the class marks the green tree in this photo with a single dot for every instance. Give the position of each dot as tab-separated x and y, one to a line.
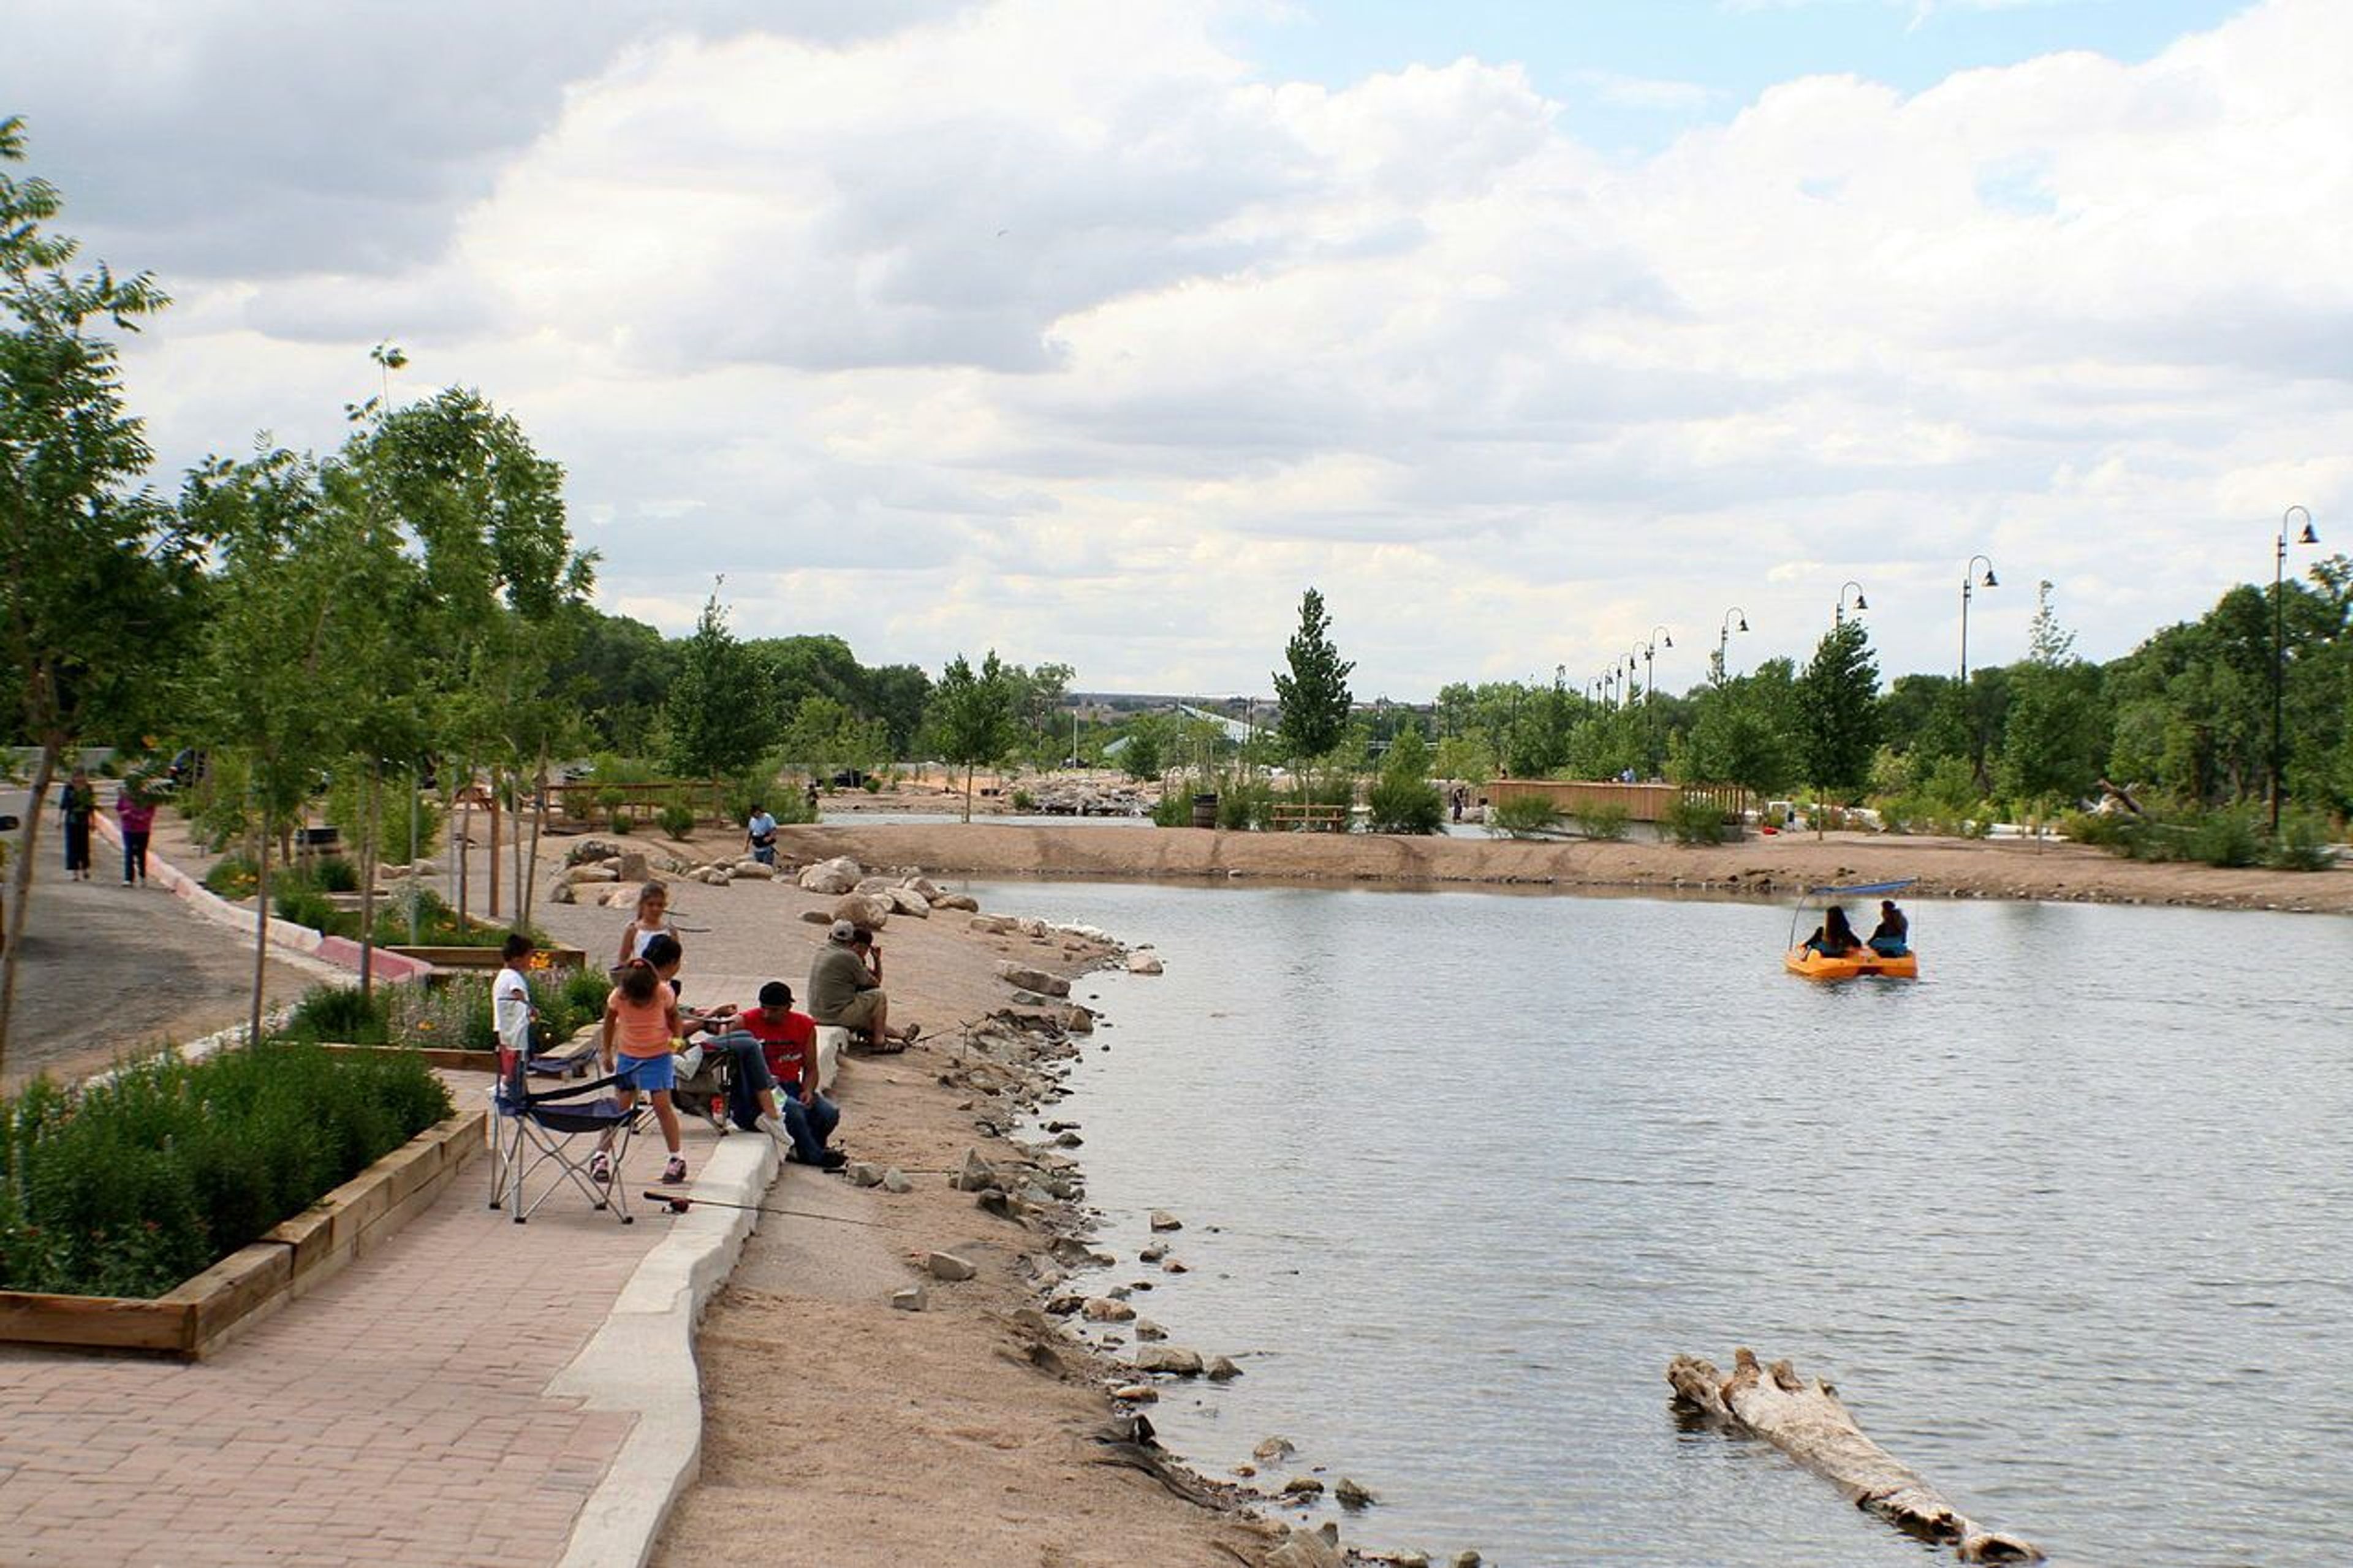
719	717
1143	755
619	672
974	716
1402	799
900	693
275	685
1315	696
2058	732
825	735
93	579
1747	731
1838	712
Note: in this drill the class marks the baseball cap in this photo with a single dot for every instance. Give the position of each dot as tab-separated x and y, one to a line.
842	930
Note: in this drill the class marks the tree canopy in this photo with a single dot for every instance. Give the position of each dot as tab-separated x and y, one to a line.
1315	694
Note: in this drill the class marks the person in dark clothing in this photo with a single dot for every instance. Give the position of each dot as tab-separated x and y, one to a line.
1834	938
1893	936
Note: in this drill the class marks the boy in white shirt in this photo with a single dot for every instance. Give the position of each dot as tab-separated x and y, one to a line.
510	1005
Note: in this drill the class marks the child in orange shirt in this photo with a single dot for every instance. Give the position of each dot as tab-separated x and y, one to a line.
642	1027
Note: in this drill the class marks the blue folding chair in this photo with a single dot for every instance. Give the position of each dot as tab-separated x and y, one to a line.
531	1131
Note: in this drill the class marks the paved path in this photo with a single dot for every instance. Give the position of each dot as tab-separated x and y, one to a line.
395	1415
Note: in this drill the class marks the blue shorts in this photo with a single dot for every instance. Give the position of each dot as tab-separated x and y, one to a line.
652	1074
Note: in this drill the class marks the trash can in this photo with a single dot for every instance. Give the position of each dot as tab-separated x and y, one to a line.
1205	811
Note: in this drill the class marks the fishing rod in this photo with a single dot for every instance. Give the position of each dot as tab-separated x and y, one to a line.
679	1203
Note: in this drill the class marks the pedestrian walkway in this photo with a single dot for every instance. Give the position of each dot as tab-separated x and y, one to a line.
395	1415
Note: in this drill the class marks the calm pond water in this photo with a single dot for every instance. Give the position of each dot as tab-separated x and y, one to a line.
2067	1222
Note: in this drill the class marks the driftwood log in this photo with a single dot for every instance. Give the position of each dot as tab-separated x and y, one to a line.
1805	1420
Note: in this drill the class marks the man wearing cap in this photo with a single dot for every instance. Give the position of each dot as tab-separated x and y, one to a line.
788	1042
844	993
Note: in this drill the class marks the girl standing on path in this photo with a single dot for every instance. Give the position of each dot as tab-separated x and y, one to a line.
652	920
77	806
137	815
642	1029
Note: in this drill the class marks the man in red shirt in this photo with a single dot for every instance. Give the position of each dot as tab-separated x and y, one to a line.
788	1042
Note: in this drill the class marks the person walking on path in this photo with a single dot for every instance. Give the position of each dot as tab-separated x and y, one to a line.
640	1027
77	808
760	835
137	815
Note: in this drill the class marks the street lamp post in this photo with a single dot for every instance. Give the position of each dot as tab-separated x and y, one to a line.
1838	615
1968	572
1723	630
1650	694
2279	650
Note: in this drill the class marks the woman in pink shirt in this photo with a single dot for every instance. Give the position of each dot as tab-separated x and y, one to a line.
137	815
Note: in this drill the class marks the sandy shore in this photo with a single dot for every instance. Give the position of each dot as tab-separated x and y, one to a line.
1762	867
837	1429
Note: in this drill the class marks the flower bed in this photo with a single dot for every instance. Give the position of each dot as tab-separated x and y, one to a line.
130	1186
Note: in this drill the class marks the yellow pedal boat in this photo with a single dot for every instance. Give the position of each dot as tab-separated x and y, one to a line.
1813	966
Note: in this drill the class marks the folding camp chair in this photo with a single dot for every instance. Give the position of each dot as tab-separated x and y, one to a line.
530	1130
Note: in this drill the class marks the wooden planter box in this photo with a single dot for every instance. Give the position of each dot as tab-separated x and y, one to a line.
485	957
254	1281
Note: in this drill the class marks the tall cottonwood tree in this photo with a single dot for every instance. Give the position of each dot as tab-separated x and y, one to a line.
721	701
92	574
1838	712
976	716
1314	695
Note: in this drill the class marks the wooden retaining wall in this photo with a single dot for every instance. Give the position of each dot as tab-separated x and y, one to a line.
289	1260
1641	802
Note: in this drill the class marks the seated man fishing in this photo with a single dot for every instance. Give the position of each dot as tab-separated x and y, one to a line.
787	1043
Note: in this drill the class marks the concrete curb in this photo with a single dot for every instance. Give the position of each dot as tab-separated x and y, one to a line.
642	1360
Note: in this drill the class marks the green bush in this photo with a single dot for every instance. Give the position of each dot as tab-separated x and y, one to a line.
1605	820
304	905
1024	801
678	821
233	876
1172	809
622	822
1401	804
2305	843
1244	801
1693	820
404	838
342	1013
2227	838
1522	816
872	785
334	874
130	1185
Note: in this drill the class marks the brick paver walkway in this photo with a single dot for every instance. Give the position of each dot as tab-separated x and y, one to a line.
393	1416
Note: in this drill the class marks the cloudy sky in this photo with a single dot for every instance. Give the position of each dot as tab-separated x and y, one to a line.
1095	331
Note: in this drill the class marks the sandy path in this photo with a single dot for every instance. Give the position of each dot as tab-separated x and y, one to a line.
835	1428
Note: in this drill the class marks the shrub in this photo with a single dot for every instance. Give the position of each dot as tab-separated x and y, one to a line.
405	838
233	876
2304	843
130	1185
623	823
872	784
1243	802
1605	820
304	905
2227	838
1693	820
342	1013
1399	803
1522	817
1172	809
1024	801
678	821
335	874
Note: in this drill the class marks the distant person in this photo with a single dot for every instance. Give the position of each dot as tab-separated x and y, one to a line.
640	1024
1892	938
846	992
760	835
77	809
1461	797
136	814
810	796
1834	938
651	920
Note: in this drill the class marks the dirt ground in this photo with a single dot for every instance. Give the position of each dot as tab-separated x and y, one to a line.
108	971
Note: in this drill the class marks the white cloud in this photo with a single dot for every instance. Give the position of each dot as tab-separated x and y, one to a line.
1032	325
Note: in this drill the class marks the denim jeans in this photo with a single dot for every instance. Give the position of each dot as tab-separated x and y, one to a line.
809	1125
750	1077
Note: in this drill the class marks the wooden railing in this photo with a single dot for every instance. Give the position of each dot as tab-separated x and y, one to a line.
1641	802
1288	818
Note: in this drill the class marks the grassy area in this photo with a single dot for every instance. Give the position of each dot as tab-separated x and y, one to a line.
454	1016
130	1186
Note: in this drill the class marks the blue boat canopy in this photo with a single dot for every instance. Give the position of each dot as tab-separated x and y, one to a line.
1858	887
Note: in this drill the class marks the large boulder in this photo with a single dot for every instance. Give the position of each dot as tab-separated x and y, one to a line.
748	867
838	874
1030	979
634	866
956	902
922	885
592	871
907	901
862	908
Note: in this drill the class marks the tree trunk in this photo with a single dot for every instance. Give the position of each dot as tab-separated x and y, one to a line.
461	849
261	934
968	792
20	885
528	879
1805	1420
368	811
